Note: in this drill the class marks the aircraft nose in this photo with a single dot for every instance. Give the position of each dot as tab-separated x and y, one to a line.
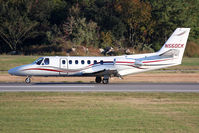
12	71
15	71
19	71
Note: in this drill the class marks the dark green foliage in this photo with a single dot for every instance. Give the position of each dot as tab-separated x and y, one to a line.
16	26
25	24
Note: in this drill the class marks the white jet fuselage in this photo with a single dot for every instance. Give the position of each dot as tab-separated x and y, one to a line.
87	66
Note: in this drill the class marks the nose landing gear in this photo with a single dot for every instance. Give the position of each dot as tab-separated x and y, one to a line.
28	80
105	81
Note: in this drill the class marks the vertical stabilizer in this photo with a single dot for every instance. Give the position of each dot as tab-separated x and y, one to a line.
177	43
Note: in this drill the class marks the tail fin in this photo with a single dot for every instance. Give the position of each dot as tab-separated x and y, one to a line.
176	44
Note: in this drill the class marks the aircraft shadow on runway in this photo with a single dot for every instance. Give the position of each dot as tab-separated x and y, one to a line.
61	83
93	83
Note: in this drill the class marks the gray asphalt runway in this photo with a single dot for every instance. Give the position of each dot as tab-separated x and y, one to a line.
82	87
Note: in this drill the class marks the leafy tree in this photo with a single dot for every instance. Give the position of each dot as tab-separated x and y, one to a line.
107	39
192	17
168	15
58	12
78	30
141	24
136	15
15	26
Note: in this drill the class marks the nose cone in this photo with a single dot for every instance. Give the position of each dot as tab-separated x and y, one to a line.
20	70
15	71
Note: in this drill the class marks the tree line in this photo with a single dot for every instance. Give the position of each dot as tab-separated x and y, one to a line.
61	24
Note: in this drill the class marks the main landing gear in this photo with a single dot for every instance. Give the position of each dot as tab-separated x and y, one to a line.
28	80
104	81
98	80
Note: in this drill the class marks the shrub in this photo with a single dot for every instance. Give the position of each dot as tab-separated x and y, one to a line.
192	49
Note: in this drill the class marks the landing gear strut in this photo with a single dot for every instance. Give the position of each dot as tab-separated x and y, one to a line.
105	81
98	80
28	80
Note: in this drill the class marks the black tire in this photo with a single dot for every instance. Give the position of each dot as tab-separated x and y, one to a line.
98	80
28	80
105	81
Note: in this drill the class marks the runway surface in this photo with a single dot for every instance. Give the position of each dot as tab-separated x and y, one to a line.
83	87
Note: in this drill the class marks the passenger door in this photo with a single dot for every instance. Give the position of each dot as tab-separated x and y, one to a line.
64	66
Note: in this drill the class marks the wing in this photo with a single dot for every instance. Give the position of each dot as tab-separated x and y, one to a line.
101	70
101	73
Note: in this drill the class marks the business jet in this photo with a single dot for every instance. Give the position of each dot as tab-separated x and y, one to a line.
103	68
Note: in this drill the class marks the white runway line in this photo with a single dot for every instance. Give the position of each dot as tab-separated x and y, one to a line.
62	90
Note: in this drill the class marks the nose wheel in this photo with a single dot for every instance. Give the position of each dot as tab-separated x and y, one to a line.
105	81
28	80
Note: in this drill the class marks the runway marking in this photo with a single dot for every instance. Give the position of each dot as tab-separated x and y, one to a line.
62	90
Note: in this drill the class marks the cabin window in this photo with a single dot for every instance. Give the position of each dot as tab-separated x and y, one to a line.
101	62
46	61
95	62
39	61
82	62
70	62
63	62
88	62
76	61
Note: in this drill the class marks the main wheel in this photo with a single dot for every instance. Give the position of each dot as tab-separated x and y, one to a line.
28	80
98	80
105	81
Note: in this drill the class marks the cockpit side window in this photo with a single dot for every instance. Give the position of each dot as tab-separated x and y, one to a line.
39	61
46	61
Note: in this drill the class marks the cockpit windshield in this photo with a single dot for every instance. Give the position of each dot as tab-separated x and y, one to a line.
39	61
